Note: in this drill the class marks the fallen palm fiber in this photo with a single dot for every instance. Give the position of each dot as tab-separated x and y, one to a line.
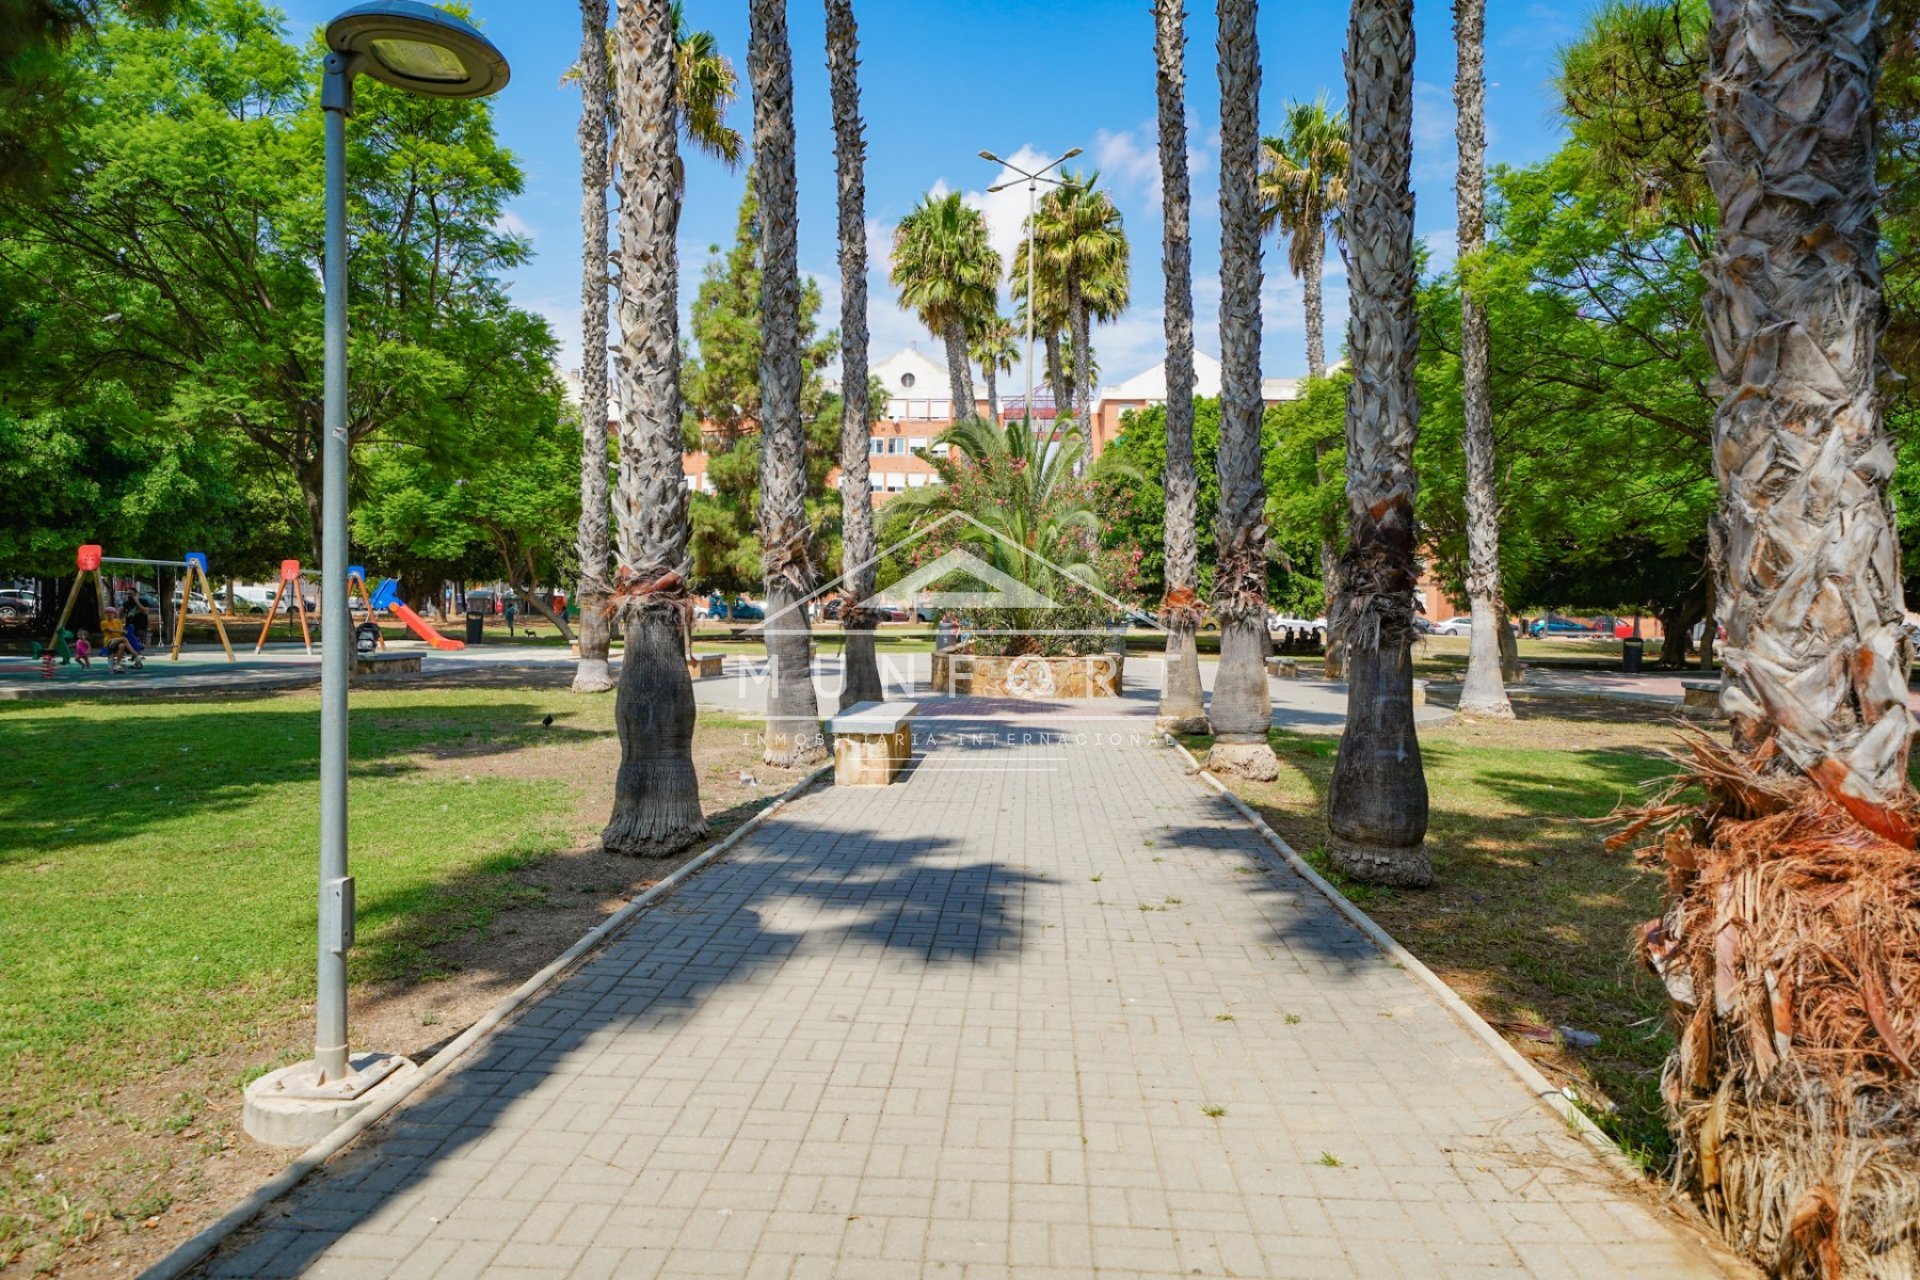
1791	950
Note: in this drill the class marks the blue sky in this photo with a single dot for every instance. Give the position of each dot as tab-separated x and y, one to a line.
941	81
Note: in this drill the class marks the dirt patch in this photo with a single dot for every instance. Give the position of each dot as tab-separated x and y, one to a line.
167	1156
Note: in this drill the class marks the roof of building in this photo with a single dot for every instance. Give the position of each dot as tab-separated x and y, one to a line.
910	374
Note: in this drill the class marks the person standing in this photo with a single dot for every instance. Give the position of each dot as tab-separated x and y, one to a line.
510	610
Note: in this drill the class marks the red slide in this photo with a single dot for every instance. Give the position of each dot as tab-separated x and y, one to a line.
418	625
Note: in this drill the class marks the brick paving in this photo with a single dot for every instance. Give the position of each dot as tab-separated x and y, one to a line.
1039	1010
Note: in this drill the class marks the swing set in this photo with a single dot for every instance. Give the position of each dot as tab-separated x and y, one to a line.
89	562
290	577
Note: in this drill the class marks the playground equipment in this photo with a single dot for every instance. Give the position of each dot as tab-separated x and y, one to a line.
388	598
89	561
289	576
357	586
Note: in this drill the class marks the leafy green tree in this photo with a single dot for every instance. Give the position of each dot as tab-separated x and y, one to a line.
723	399
182	260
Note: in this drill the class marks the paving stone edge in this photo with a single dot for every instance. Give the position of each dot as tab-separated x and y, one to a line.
196	1249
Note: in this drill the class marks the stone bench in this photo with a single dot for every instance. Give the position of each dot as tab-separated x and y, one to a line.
872	742
702	665
385	666
1283	668
1703	694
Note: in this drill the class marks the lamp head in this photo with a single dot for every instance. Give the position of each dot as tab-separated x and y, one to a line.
1070	155
418	48
991	158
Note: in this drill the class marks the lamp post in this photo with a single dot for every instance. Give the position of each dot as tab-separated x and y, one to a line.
423	50
1033	181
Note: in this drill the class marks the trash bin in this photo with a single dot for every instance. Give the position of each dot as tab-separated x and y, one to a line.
476	628
1632	650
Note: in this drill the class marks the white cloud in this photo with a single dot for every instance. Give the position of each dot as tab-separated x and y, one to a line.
510	223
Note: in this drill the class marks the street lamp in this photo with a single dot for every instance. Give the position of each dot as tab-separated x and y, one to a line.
1033	186
429	52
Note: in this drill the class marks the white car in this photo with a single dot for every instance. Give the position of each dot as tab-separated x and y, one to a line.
1460	626
1277	624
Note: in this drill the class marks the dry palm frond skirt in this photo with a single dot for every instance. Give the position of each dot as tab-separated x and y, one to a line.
1791	950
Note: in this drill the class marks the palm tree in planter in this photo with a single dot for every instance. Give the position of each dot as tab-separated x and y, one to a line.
862	673
1377	798
1242	712
793	735
949	275
704	88
656	806
1791	942
1182	703
1303	183
991	345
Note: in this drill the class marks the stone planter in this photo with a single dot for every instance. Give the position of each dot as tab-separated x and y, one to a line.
1095	675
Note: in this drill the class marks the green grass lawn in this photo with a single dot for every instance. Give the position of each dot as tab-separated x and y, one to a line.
1532	918
158	864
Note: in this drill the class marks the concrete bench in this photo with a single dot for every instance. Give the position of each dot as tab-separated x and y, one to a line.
1283	668
385	666
872	742
1704	694
702	665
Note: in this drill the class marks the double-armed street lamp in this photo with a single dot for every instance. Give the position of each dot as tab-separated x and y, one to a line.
426	51
1033	181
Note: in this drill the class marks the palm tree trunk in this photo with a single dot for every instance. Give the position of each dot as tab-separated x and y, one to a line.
862	668
1377	799
1182	703
793	716
1797	1132
1242	709
1057	379
1314	288
959	372
656	795
1083	367
993	391
1484	693
593	674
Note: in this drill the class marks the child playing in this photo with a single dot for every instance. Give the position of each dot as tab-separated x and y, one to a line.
82	651
113	639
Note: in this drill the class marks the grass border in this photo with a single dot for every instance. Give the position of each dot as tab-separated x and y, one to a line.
1543	1090
196	1249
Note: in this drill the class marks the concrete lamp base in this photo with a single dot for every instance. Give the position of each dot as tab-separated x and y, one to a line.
287	1108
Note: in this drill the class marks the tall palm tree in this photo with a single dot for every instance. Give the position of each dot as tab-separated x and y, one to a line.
1485	692
1377	799
1082	254
1805	894
656	805
793	714
1303	182
1182	703
706	86
949	275
991	345
862	674
1242	710
592	675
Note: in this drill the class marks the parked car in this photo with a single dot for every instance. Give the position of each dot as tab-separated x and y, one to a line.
738	611
16	605
1278	623
1562	627
1460	626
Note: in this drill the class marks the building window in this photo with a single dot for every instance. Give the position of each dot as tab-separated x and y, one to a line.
906	380
917	480
895	483
940	448
897	444
876	446
916	444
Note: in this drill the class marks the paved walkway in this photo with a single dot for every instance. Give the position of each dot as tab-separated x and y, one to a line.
1041	1010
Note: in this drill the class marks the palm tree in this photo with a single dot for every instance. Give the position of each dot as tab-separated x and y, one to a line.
1182	703
991	345
1082	256
862	673
656	805
592	675
707	86
793	715
1377	799
949	275
1303	182
1242	711
1796	1130
1484	693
